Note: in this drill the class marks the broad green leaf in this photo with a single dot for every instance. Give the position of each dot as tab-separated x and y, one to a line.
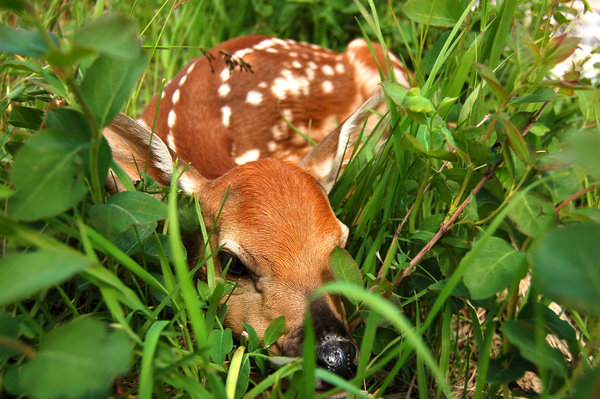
488	75
533	215
506	369
444	13
253	340
496	266
50	166
26	117
410	143
274	331
540	94
113	35
23	275
220	344
77	359
5	192
344	267
414	101
521	335
589	101
559	49
24	42
124	209
395	91
566	266
516	141
470	140
72	122
538	313
107	83
587	385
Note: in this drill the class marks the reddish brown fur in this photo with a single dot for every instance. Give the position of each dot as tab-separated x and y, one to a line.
284	224
198	113
276	217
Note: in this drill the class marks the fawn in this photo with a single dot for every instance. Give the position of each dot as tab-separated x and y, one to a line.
276	228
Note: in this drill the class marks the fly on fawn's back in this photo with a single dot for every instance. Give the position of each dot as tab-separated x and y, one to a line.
275	225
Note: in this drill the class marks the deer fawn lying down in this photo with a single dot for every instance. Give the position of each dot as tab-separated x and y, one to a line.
276	228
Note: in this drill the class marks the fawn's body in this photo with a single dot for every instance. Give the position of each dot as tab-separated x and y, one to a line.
276	227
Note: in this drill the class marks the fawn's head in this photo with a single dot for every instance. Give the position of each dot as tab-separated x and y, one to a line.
276	230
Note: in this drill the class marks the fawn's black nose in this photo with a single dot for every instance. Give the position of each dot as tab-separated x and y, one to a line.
338	355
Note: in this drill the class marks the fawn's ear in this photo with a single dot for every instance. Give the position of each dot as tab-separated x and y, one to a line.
327	158
134	146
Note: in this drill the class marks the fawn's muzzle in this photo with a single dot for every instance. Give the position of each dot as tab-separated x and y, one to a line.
336	348
338	355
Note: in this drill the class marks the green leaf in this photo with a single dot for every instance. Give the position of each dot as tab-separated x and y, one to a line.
220	344
49	166
516	141
124	209
470	140
559	49
488	75
496	266
506	369
274	331
566	266
253	340
533	215
26	117
9	328
538	313
344	267
445	13
113	35
540	94
521	335
395	91
77	359
107	83
416	102
5	192
29	43
23	275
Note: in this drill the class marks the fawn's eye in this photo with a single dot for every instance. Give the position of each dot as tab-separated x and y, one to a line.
236	266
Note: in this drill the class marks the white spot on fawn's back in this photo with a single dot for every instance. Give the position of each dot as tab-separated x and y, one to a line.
254	97
226	115
175	97
248	156
327	70
190	68
243	52
339	67
264	44
327	86
224	90
225	74
171	119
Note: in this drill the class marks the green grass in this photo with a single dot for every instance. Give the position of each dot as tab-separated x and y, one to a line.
489	178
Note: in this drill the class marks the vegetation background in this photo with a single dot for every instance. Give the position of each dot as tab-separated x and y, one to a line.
476	228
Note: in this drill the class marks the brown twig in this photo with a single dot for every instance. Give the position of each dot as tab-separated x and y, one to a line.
574	196
446	226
